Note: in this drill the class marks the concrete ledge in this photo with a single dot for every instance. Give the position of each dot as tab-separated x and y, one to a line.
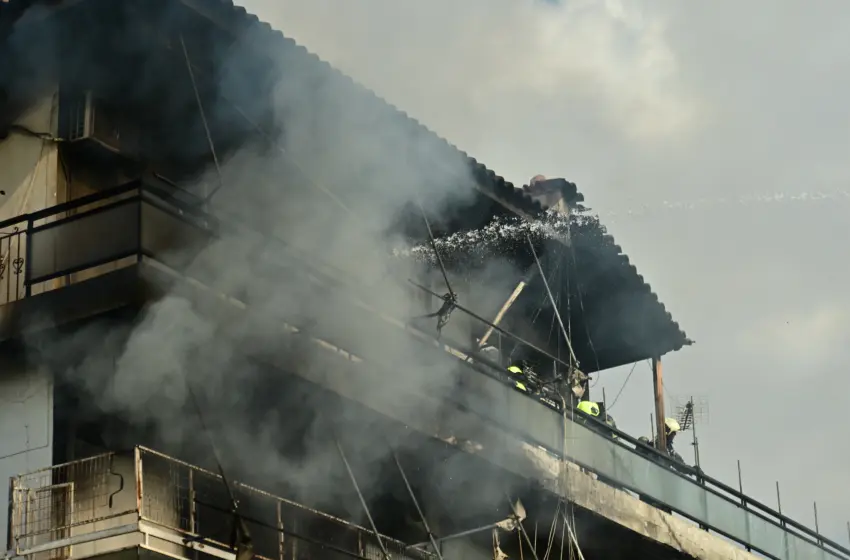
630	512
433	415
81	300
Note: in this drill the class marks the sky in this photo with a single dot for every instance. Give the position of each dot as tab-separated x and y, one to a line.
712	139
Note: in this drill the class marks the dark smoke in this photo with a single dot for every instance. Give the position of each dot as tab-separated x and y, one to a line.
334	136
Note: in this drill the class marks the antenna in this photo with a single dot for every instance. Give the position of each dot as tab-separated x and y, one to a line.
688	414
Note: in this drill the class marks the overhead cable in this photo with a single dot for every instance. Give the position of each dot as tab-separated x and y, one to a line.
510	335
241	539
203	120
383	548
450	297
433	243
620	392
418	509
522	529
551	539
553	302
581	306
539	309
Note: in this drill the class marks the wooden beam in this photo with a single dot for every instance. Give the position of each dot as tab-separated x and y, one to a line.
510	301
658	386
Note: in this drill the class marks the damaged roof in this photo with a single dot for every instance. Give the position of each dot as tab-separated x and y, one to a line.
611	280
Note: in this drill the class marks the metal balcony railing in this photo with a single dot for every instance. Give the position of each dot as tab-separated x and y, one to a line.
82	238
147	499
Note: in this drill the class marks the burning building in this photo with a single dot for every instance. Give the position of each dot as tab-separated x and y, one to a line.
208	243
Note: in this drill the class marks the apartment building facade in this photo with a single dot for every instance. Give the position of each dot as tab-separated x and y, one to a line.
135	170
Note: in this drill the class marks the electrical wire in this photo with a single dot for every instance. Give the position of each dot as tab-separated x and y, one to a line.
450	299
552	299
551	540
46	136
581	298
208	434
363	503
536	314
434	245
240	538
623	386
203	120
522	529
495	327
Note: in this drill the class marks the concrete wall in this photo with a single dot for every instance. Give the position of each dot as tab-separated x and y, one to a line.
34	177
28	182
26	426
30	165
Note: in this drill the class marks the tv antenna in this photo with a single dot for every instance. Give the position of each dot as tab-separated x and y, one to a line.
688	414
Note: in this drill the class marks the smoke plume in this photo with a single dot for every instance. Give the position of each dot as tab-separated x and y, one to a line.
340	184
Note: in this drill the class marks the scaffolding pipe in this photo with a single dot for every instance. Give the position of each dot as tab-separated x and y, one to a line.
462	534
418	509
522	530
383	548
510	301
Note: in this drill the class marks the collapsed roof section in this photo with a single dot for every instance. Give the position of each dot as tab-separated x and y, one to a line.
621	319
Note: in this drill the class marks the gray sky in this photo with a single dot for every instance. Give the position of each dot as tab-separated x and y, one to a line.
712	138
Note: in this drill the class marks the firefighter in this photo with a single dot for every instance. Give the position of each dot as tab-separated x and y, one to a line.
589	407
671	428
518	377
491	353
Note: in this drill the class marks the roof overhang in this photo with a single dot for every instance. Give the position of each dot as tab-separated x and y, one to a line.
622	319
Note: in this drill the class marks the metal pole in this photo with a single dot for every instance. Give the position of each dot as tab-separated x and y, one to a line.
522	529
741	484
696	439
658	386
418	509
743	500
781	520
604	403
652	426
363	502
848	531
817	528
459	535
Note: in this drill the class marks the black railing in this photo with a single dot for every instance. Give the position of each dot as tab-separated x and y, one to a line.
12	259
92	231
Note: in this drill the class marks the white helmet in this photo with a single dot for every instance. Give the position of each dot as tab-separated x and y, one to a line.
672	425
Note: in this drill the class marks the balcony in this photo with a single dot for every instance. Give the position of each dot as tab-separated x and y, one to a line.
89	238
146	501
86	242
